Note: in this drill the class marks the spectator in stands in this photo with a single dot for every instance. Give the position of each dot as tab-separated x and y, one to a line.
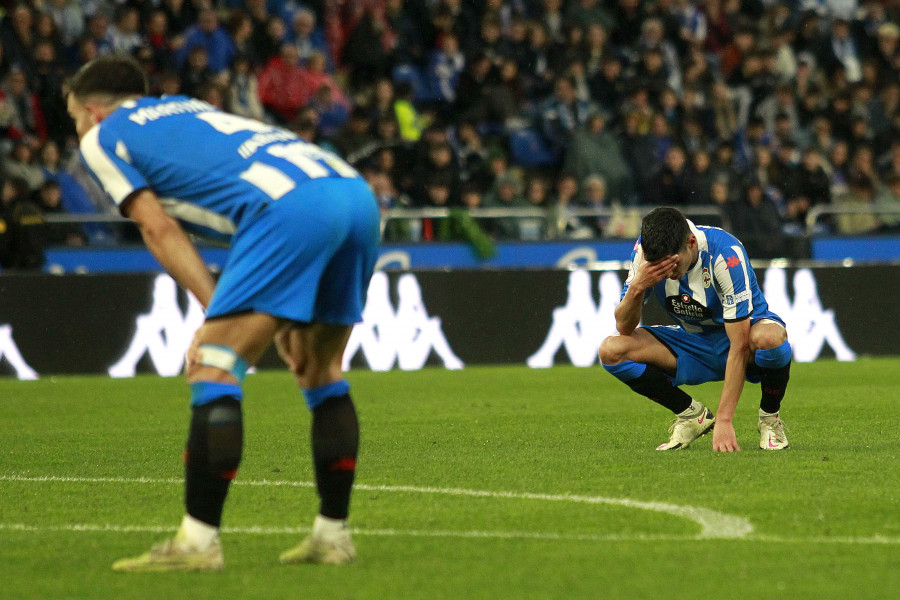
181	14
594	150
308	37
637	148
562	114
444	68
97	29
471	154
69	19
21	238
46	83
124	33
860	198
17	36
366	53
355	141
21	165
608	88
809	186
282	85
27	118
242	96
755	219
506	194
332	108
196	72
440	164
207	34
49	200
240	30
409	120
673	184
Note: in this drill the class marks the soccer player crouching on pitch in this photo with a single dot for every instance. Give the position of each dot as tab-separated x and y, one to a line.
303	228
703	279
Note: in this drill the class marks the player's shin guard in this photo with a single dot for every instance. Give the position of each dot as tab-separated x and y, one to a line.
774	371
213	449
335	446
652	382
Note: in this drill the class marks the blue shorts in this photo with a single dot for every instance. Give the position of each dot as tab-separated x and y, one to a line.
306	257
701	356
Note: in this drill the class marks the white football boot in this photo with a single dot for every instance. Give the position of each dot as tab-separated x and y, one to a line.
329	543
688	426
771	432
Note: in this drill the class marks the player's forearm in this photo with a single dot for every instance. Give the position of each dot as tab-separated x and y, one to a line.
178	256
628	311
735	372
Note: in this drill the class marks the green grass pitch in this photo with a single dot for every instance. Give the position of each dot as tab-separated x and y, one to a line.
488	483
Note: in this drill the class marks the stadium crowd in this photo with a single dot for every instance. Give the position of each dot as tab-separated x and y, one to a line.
760	108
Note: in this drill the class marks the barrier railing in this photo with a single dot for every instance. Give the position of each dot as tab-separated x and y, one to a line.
706	214
845	208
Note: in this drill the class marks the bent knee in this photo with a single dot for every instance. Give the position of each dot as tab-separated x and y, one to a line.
614	349
771	337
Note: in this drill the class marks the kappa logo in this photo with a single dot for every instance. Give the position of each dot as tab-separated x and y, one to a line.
732	261
580	325
10	351
165	333
809	325
406	336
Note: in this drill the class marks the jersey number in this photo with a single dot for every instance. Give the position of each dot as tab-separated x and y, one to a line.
310	159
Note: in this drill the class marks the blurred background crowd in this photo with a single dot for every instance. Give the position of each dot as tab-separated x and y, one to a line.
591	110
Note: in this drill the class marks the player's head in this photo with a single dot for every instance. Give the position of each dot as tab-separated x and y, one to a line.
99	86
664	231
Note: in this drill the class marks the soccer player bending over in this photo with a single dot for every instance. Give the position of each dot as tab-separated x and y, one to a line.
303	228
703	279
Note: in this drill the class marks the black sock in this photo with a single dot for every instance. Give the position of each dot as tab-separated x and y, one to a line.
655	384
773	383
212	458
335	445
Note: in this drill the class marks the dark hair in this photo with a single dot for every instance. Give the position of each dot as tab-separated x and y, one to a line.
664	231
113	76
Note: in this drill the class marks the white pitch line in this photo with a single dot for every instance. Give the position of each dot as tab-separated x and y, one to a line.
713	525
468	534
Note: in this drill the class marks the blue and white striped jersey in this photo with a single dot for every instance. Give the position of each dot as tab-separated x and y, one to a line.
721	286
209	168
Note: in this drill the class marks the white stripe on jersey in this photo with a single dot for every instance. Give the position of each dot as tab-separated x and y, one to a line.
111	178
270	180
197	215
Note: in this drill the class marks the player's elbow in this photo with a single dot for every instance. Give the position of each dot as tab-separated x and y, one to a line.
158	228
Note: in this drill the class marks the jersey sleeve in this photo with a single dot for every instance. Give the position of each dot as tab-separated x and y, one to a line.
109	161
637	255
731	271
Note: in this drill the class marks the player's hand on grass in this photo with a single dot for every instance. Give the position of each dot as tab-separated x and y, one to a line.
724	438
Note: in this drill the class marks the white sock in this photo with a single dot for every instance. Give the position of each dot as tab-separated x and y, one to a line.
196	534
324	527
763	413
